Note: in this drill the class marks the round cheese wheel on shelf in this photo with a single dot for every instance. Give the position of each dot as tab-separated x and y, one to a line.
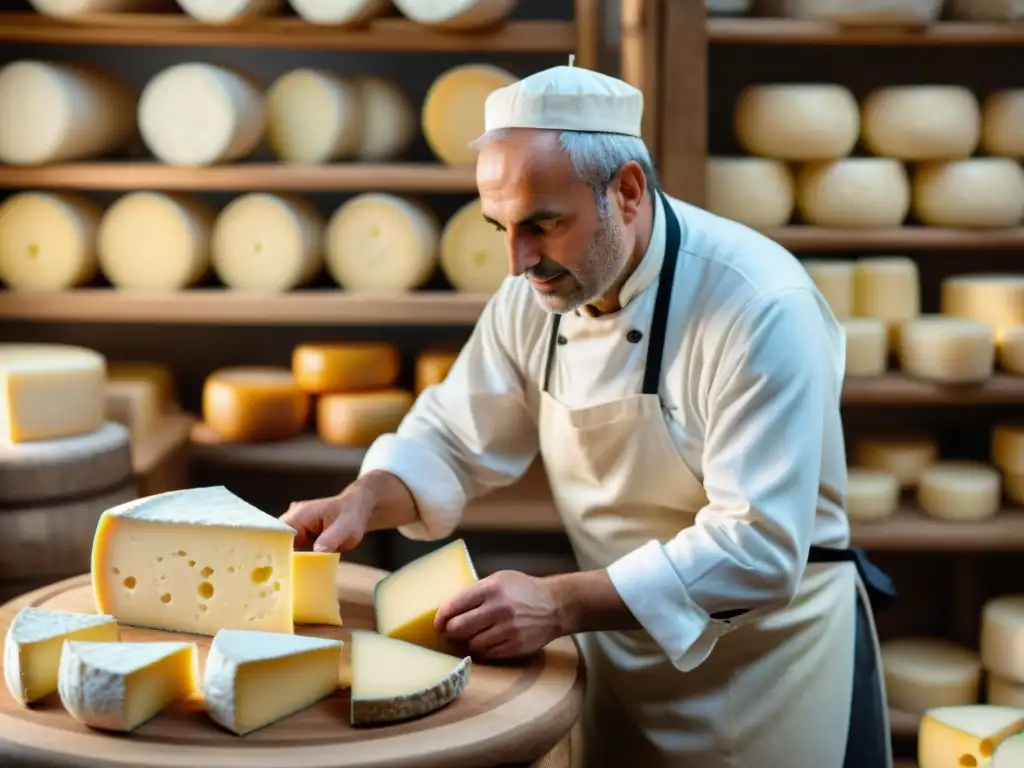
61	9
1007	448
57	112
887	288
867	346
382	242
904	457
921	122
432	367
197	114
1002	123
946	349
227	11
357	419
268	243
872	13
474	257
313	116
325	367
1011	349
453	110
156	241
756	191
924	673
871	494
1003	692
985	10
456	14
983	192
1002	637
797	121
854	193
340	12
834	280
246	404
48	240
389	123
994	299
959	491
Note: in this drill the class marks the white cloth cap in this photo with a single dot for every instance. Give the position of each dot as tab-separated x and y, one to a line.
567	99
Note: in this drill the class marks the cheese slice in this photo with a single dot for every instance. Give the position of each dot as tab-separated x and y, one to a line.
453	110
432	367
313	117
393	680
314	595
959	491
406	601
1009	754
357	419
974	731
924	673
254	404
1002	637
389	119
322	368
197	560
474	258
33	645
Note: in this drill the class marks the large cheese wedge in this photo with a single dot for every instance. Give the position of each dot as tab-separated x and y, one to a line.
981	192
456	14
1002	637
48	241
379	242
871	494
1007	448
834	280
921	122
340	12
1002	123
432	367
389	119
325	367
757	191
71	8
198	560
947	349
905	457
33	645
948	733
315	599
1003	692
254	404
994	299
453	110
50	390
867	344
313	116
224	11
356	419
393	680
887	288
253	679
853	193
923	673
474	257
959	491
1010	753
120	686
406	601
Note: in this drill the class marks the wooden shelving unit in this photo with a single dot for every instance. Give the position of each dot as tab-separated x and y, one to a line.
800	238
762	31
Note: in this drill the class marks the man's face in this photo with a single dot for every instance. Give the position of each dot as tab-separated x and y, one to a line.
570	246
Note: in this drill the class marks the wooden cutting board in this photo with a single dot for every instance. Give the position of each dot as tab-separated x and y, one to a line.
509	714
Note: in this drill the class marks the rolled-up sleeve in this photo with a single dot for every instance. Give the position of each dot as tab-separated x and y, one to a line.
767	406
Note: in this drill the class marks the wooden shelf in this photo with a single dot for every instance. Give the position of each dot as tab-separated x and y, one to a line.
774	31
390	35
896	389
800	238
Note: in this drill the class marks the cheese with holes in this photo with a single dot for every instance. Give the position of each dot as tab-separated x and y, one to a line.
1010	753
225	11
121	686
946	733
924	673
313	117
959	491
982	192
356	419
1011	349
48	240
456	14
453	110
921	122
946	349
406	601
866	346
326	367
197	560
70	8
994	299
1002	123
853	193
197	114
1002	637
904	457
378	242
757	191
394	680
255	404
315	598
134	403
432	367
1007	448
887	288
253	679
33	645
816	121
1003	692
50	390
834	280
340	12
473	255
985	10
139	370
871	494
389	119
268	243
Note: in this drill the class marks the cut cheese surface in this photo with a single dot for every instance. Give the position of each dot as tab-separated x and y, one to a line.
313	117
757	191
797	121
253	679
1010	753
314	595
1002	637
432	367
474	257
120	686
904	457
1007	448
871	494
254	404
947	349
982	192
389	120
866	346
1003	692
456	14
1011	349
325	367
340	12
198	561
834	280
33	646
223	11
1002	123
356	419
853	193
976	731
924	673
959	491
453	110
921	122
994	299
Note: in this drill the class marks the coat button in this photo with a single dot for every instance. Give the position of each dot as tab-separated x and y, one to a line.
562	340
634	336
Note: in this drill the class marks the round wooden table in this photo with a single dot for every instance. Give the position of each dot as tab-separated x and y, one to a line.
517	714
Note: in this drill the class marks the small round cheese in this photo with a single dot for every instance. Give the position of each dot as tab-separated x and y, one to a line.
983	192
268	243
1011	349
313	116
382	242
1003	692
906	458
456	14
1013	487
959	491
994	299
453	110
1002	637
357	419
797	121
325	367
339	12
1007	448
871	494
921	122
887	288
867	346
389	123
432	367
254	404
47	241
924	673
474	257
226	11
854	193
156	241
947	349
1002	123
834	280
756	191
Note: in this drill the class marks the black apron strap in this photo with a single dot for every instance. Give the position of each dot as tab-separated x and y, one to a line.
868	739
880	588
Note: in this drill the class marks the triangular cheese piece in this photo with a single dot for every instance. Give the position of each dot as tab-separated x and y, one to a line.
33	645
254	679
969	731
393	680
119	686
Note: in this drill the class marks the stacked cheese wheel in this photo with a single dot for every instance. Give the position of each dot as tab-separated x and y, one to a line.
995	301
1007	452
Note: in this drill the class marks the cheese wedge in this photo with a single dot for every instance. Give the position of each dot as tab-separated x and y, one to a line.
120	686
970	731
314	598
1009	754
393	680
197	560
33	644
253	679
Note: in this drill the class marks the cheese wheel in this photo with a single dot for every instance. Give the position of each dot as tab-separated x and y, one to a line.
855	193
161	376
887	288
797	121
155	241
324	367
986	10
924	673
340	12
756	191
389	124
871	494
904	457
473	255
959	491
921	122
48	240
382	242
453	110
313	116
268	243
872	13
68	8
56	112
994	299
1002	637
983	192
866	346
1003	692
456	14
357	419
432	366
946	349
226	11
196	114
834	280
1007	448
1002	123
254	404
1010	349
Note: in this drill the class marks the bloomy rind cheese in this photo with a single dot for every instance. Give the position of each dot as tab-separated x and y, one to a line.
456	14
339	12
314	595
904	457
947	349
1011	349
797	121
473	255
1003	692
980	192
959	491
834	280
871	494
432	367
757	191
1002	637
994	299
1002	123
356	419
1007	448
325	367
853	193
973	730
313	116
921	122
255	404
866	346
453	110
